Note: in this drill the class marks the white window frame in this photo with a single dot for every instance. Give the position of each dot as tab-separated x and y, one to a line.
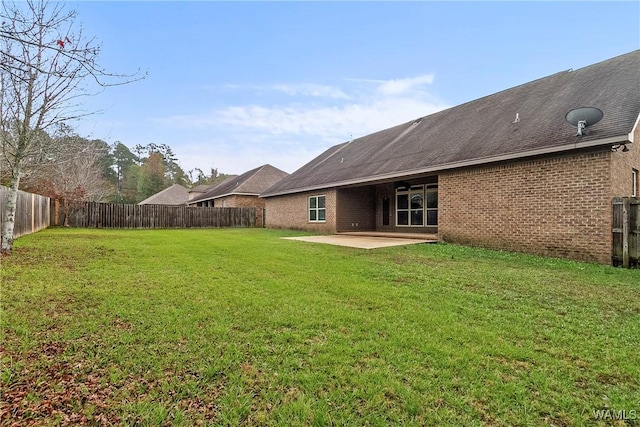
422	190
317	209
634	185
409	192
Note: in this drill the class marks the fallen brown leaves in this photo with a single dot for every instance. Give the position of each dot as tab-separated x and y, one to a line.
45	386
46	389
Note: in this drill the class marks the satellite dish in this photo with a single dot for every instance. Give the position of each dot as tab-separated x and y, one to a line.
583	117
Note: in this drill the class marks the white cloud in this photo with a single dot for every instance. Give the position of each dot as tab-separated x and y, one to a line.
289	134
310	89
292	89
238	158
324	122
409	86
403	86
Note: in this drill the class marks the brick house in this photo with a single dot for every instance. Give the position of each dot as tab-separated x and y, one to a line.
506	171
241	191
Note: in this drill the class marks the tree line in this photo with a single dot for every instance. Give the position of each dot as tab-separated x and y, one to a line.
74	169
47	66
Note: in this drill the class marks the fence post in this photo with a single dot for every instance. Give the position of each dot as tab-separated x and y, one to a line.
33	212
626	206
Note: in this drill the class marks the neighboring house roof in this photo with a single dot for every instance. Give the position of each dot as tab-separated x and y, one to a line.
174	195
486	130
202	188
251	183
199	190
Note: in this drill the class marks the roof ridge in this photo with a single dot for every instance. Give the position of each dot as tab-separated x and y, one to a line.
484	128
558	73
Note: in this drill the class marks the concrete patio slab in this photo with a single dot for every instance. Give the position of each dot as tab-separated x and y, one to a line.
362	242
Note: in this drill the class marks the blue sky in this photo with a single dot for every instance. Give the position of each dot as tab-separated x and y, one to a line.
235	85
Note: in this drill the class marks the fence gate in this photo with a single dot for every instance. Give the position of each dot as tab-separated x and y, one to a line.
626	232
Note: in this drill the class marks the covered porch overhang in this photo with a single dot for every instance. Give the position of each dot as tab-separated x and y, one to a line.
399	208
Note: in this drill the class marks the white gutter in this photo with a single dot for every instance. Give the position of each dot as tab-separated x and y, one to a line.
633	131
235	194
628	138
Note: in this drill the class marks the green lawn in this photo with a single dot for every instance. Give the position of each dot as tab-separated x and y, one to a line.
240	327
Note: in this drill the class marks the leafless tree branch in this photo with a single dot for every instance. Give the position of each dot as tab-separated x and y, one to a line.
45	62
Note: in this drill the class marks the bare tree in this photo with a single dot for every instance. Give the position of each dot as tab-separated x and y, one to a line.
72	174
46	61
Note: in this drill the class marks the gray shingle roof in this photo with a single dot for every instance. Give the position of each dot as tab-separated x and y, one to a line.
483	130
174	195
202	188
252	182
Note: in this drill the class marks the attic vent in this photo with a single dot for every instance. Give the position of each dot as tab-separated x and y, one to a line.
418	121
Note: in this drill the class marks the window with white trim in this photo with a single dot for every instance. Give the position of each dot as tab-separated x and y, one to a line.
431	207
634	181
317	209
417	206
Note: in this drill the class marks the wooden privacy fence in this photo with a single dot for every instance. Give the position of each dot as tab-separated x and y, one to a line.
626	231
32	212
109	215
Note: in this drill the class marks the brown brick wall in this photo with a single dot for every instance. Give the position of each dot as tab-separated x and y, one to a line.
622	165
555	206
239	201
356	209
291	212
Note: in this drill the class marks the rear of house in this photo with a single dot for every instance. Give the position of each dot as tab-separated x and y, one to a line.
505	171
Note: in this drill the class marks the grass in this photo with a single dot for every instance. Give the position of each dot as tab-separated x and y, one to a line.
240	327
